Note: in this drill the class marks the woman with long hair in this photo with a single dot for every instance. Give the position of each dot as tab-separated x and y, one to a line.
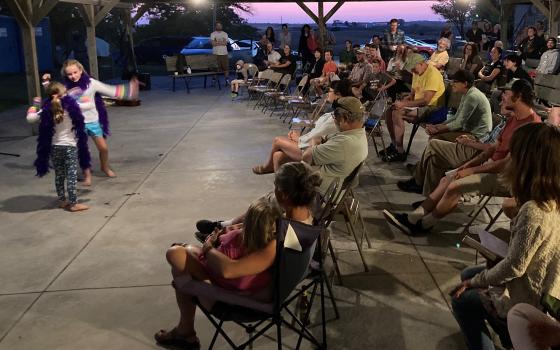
269	33
471	61
531	267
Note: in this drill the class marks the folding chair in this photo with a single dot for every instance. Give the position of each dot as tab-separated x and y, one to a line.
300	95
295	245
347	206
252	71
478	208
375	112
271	97
272	85
436	117
305	123
260	82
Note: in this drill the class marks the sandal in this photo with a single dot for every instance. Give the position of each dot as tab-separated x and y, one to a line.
172	337
260	170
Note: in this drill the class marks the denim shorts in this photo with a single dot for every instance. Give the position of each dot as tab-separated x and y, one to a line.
94	129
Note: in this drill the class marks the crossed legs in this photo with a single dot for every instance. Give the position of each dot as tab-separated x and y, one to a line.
283	150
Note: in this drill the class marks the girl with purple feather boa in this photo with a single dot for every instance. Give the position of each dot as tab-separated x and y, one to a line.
62	138
87	92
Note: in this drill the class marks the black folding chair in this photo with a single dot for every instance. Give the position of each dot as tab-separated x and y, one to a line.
256	317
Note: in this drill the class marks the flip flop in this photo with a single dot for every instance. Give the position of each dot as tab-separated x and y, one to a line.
260	170
164	337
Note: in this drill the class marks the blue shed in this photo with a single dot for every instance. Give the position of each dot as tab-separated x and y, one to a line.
11	44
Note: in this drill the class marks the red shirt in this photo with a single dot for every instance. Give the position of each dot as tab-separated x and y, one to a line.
329	67
504	139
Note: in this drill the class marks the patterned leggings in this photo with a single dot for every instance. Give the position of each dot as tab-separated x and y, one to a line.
65	161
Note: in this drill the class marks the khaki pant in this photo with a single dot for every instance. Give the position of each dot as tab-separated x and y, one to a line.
223	63
439	157
450	136
486	184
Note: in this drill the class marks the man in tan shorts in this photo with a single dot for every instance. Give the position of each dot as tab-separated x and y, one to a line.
219	40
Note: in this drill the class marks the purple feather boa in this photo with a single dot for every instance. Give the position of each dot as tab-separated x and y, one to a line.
46	133
83	84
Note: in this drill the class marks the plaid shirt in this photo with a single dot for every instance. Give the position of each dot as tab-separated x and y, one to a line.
390	39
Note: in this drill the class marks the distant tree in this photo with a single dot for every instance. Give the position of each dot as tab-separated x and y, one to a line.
455	11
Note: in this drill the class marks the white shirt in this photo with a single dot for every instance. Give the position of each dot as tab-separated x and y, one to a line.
86	99
273	57
221	37
63	133
323	126
285	39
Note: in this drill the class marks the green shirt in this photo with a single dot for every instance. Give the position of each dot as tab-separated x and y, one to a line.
340	155
474	114
347	57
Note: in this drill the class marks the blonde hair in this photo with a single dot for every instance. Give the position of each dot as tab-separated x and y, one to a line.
55	90
259	227
68	63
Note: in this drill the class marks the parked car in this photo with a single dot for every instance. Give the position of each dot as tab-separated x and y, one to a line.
238	49
421	47
152	50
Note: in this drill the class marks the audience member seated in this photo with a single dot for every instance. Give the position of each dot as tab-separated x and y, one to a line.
532	329
347	56
315	68
372	53
396	63
329	69
336	155
549	63
471	61
531	267
360	71
491	71
533	45
376	83
287	63
290	148
396	68
241	76
472	120
440	57
478	176
514	70
426	97
339	154
261	55
273	57
512	64
241	259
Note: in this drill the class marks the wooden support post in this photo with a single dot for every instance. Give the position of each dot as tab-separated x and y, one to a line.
104	11
308	11
140	12
553	20
507	11
42	9
23	12
541	7
88	14
321	23
333	10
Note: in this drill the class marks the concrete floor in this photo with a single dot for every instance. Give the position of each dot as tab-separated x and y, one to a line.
99	280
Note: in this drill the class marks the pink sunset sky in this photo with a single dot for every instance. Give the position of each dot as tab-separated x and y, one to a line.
350	11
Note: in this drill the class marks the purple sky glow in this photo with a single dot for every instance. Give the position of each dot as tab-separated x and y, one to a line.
350	11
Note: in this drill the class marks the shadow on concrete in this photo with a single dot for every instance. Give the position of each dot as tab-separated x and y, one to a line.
30	203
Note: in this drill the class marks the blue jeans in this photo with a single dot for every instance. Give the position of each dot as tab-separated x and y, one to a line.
471	316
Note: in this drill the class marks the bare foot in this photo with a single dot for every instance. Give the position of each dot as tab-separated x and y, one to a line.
109	172
77	207
62	204
87	178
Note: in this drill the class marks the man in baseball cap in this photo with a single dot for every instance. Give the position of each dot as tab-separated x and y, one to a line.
426	97
339	154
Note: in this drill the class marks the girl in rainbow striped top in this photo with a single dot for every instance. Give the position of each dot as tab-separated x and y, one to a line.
87	93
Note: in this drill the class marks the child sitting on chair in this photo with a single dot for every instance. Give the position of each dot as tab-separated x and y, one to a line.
241	78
